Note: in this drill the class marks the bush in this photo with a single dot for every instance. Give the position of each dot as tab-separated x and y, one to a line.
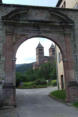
36	84
27	84
54	82
40	82
46	71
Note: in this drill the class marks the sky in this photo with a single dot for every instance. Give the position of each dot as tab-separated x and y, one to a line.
33	2
26	53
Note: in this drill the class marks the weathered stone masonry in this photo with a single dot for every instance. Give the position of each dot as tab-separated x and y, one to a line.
19	23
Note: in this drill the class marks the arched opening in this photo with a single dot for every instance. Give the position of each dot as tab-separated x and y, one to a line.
10	72
64	47
50	56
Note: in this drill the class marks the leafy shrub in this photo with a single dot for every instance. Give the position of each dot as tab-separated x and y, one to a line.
27	85
40	82
54	82
45	72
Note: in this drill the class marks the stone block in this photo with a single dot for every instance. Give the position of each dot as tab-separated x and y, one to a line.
9	94
73	91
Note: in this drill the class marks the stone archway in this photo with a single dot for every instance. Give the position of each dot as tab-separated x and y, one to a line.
22	23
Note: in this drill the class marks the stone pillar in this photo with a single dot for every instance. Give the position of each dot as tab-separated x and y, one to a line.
68	67
73	90
0	1
69	77
2	62
9	84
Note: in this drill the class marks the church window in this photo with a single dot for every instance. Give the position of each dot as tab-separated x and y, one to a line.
40	49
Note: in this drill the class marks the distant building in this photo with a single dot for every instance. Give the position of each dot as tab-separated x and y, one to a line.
40	58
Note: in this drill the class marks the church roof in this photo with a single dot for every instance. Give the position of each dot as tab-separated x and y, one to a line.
39	45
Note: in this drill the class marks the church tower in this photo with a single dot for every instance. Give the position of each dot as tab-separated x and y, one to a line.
52	50
39	54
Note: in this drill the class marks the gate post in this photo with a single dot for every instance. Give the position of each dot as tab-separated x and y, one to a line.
73	90
9	86
70	80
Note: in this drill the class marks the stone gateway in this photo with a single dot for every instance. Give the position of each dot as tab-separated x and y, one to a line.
19	23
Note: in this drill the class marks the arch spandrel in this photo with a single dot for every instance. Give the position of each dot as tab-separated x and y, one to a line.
57	39
36	15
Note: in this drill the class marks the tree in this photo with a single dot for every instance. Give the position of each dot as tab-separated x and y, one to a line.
46	71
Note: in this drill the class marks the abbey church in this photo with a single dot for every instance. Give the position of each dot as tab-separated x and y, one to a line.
40	58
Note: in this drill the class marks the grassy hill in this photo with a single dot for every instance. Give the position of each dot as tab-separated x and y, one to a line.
23	67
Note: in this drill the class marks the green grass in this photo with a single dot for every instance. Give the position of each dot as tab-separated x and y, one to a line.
59	94
75	104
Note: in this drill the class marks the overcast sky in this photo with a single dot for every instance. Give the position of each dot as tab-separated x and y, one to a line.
33	2
26	53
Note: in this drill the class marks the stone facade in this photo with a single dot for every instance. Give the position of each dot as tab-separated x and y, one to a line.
19	23
40	58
